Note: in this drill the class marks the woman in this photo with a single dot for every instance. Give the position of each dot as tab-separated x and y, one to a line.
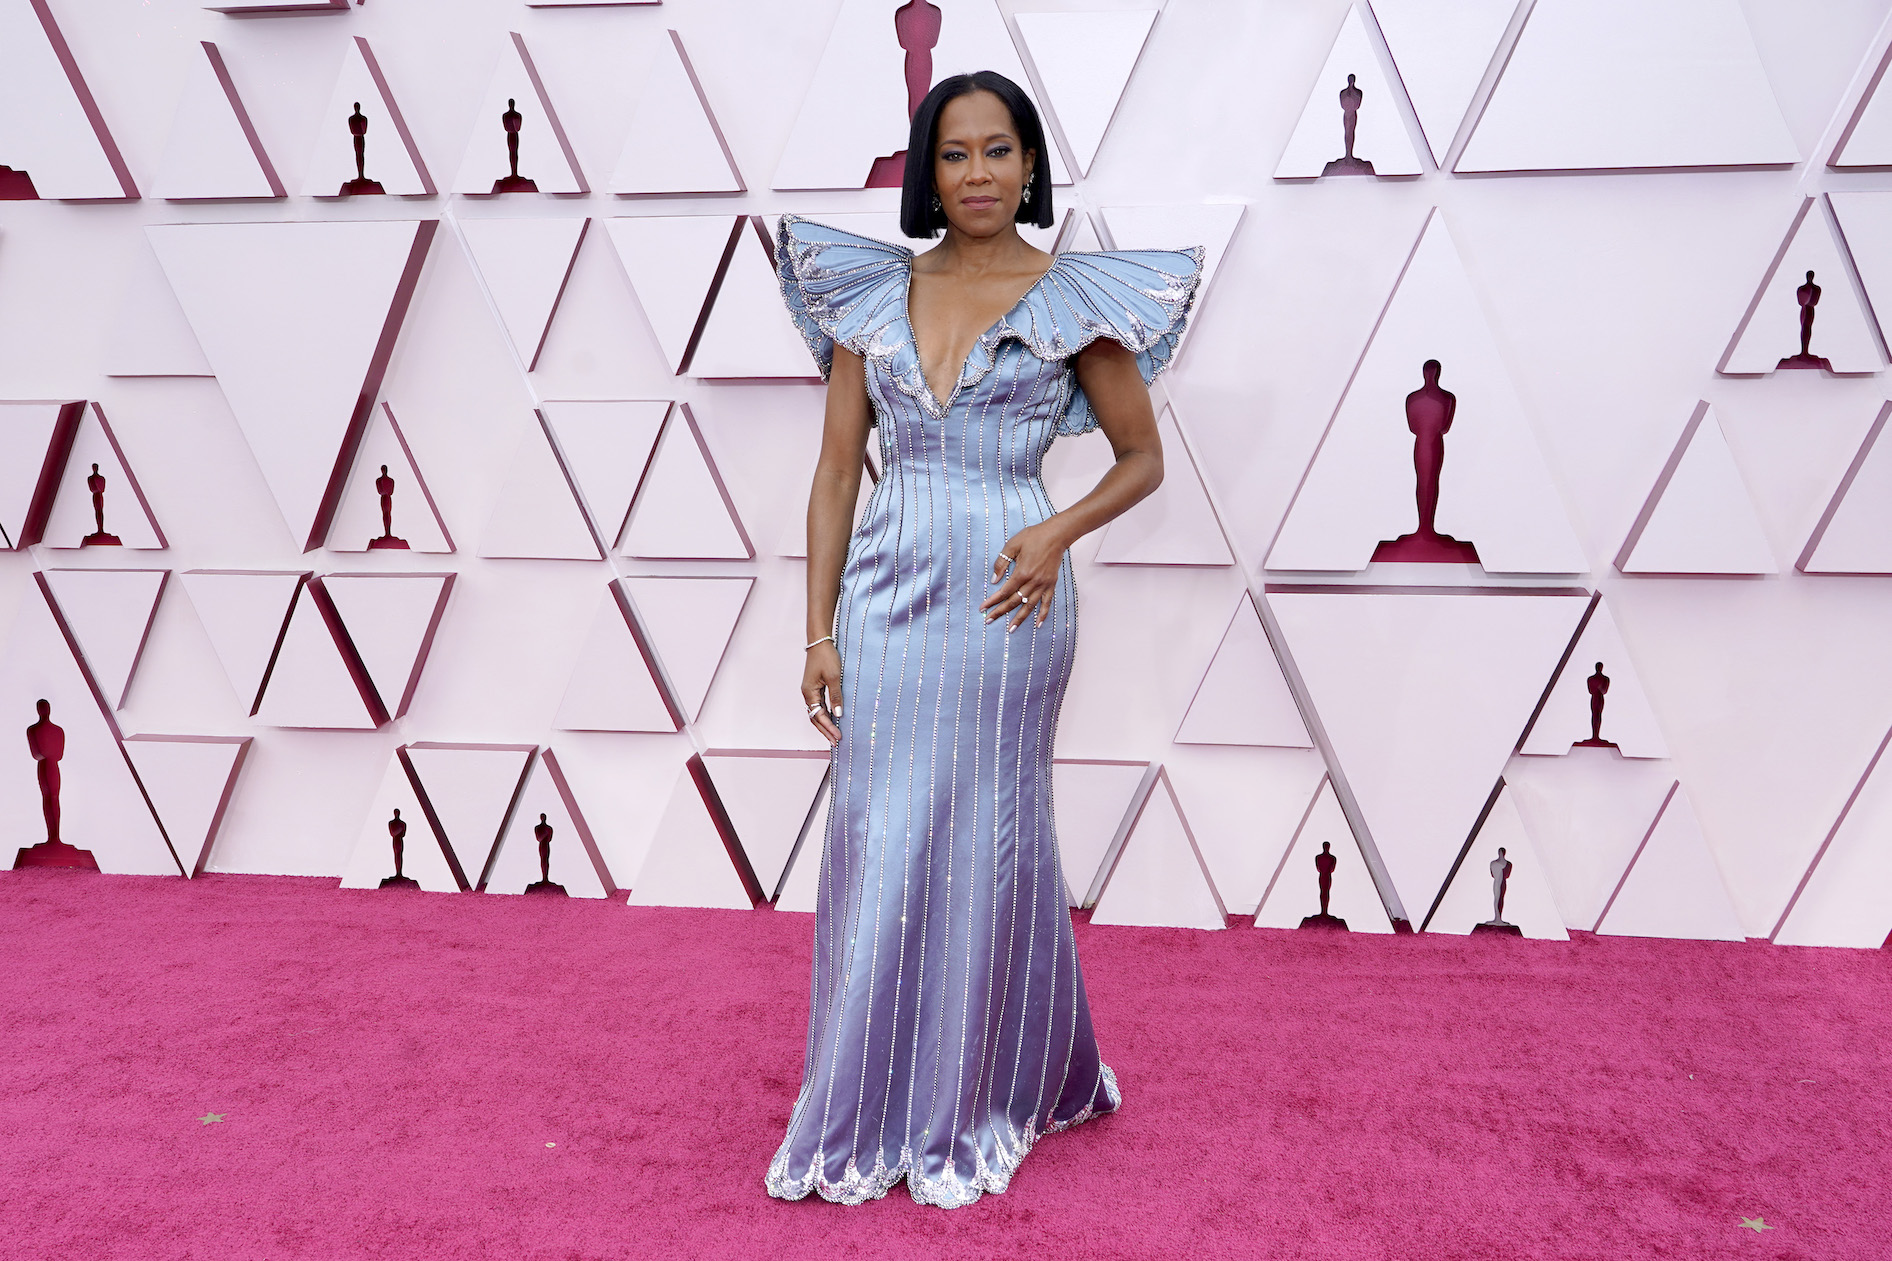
947	1026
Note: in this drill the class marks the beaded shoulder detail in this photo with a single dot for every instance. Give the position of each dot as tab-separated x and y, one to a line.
1141	299
843	287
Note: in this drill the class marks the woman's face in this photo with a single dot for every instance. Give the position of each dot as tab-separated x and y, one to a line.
978	164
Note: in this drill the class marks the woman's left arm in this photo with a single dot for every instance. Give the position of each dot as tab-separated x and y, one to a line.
1110	380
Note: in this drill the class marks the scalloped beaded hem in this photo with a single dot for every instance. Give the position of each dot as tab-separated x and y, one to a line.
947	1191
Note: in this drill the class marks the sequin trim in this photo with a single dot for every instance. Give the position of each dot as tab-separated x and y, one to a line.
946	1191
864	306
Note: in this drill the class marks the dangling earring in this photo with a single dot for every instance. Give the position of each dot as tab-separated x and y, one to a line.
936	206
1028	194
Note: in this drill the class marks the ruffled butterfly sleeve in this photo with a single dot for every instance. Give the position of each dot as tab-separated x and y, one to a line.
840	287
1139	298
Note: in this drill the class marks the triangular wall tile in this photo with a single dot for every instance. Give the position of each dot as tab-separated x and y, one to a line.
1294	893
423	854
606	446
693	857
189	781
1160	879
1587	813
214	151
1843	332
108	613
525	264
1471	897
56	135
315	681
545	155
299	321
826	149
675	144
537	513
1084	61
1175	524
572	859
391	620
1495	492
390	157
39	436
1854	535
1628	720
1442	50
149	335
128	520
744	334
613	687
683	511
1243	697
412	518
1699	518
469	792
1586	76
1845	899
245	614
1673	887
1091	800
768	795
689	622
1381	138
673	263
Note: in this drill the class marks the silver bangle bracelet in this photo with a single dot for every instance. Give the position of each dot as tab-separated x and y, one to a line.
824	638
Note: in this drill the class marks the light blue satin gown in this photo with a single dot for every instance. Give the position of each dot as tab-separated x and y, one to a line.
947	1026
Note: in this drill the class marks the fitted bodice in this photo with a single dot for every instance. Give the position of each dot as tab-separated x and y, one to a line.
981	450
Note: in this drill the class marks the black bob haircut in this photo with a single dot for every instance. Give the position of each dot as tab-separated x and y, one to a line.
917	189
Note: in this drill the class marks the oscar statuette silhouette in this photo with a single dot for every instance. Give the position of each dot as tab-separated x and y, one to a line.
1500	876
512	120
46	741
397	833
1324	864
358	129
1346	164
1599	685
384	487
98	538
543	832
1430	410
916	25
1808	296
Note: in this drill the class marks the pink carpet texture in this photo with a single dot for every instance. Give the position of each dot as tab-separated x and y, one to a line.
272	1067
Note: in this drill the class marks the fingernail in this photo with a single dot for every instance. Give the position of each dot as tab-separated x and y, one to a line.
837	711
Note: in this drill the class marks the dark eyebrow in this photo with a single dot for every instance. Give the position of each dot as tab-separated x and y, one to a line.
997	135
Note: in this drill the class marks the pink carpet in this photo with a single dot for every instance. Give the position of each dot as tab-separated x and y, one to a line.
392	1071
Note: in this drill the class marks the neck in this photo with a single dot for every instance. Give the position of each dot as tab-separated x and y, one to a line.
976	254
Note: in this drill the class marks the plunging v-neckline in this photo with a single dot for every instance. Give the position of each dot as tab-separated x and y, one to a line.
906	315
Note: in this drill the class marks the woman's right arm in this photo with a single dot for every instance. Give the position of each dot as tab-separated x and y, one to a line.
831	501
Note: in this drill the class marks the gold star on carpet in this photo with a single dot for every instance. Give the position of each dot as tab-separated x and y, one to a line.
1755	1224
211	1118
